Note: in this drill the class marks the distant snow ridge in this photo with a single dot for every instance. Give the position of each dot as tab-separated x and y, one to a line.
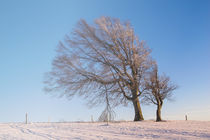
190	130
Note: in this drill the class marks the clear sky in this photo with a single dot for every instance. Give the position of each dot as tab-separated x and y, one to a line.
177	31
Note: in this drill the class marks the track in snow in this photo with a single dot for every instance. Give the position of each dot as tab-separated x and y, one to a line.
192	130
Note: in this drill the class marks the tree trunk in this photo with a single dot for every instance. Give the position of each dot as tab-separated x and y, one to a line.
137	109
158	113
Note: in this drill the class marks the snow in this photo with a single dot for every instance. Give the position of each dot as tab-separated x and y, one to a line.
192	130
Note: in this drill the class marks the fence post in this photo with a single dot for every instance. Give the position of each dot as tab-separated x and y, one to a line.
26	118
107	118
185	117
92	119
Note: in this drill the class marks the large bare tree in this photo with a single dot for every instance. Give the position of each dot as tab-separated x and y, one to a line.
158	88
104	53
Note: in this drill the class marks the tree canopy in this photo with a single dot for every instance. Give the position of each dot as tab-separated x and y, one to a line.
106	53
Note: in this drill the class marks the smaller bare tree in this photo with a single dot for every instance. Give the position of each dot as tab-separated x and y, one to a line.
158	88
108	114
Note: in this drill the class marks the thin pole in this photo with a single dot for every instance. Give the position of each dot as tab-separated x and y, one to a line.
185	117
92	118
26	118
108	118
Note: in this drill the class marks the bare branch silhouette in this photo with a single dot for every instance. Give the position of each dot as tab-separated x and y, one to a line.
105	53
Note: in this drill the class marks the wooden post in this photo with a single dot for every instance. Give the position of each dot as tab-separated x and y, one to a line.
107	118
185	117
48	119
26	118
92	118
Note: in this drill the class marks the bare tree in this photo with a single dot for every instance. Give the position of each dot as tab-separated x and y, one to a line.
105	53
108	114
158	88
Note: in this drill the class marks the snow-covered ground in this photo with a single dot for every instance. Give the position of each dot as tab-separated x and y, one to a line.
190	130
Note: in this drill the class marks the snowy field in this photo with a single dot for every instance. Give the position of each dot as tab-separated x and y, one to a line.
190	130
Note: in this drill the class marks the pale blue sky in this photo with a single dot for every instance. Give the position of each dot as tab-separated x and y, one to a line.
177	31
